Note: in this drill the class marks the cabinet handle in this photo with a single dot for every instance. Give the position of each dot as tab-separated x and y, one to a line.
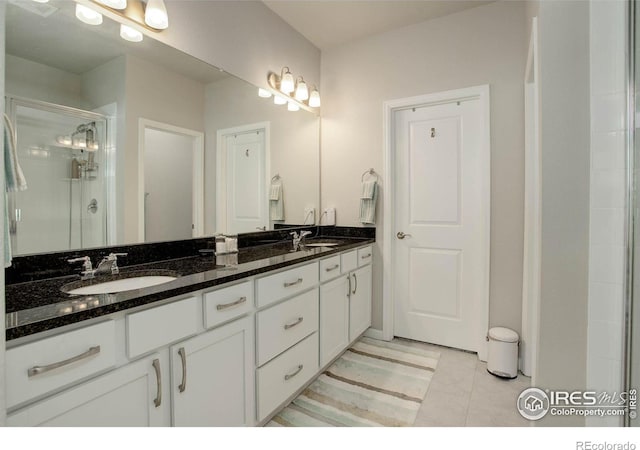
289	376
329	269
355	279
232	304
291	325
158	400
368	255
183	357
349	287
293	283
37	370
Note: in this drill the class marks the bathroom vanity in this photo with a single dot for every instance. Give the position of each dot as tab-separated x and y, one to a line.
217	346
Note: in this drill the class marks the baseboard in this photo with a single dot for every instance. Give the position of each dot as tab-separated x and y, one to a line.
374	333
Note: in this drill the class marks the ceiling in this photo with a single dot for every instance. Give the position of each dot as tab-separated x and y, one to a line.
329	23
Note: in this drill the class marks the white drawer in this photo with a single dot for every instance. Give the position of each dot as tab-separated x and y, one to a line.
227	303
51	363
285	284
283	325
365	256
157	327
283	376
349	261
330	268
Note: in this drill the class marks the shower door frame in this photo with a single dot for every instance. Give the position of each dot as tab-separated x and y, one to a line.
12	102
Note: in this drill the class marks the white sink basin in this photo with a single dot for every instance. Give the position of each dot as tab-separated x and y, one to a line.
321	244
125	284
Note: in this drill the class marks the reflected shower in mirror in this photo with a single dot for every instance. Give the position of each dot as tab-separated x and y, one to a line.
183	149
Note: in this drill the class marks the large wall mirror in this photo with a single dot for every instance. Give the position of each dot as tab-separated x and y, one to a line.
124	142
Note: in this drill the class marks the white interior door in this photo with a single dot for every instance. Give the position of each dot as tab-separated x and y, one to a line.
245	181
441	217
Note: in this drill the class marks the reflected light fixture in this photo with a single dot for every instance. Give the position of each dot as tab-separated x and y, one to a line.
286	81
130	34
293	107
88	15
278	100
115	4
156	15
41	1
264	93
302	92
314	98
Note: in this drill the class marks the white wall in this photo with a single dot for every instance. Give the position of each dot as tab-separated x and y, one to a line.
483	45
37	81
244	38
154	93
607	208
565	139
294	146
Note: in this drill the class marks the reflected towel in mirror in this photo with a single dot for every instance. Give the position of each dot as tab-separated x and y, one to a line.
276	201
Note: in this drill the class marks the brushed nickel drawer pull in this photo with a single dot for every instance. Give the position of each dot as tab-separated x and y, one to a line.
293	283
355	279
37	370
240	301
368	255
158	400
291	325
183	357
289	376
329	269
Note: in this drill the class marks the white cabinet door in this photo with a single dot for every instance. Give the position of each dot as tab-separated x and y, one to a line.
213	377
360	302
334	318
127	397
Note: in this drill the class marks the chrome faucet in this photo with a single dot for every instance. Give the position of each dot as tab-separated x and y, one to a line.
298	239
108	265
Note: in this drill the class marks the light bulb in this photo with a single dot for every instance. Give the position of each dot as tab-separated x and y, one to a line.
156	15
264	93
115	4
88	15
302	92
293	107
129	34
286	82
278	100
314	98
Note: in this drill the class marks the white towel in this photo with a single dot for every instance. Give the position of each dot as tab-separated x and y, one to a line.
13	181
276	202
368	205
368	189
275	191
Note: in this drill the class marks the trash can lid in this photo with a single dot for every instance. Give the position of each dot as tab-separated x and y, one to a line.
503	334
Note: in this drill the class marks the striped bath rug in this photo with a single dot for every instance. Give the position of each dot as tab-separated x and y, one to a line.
374	383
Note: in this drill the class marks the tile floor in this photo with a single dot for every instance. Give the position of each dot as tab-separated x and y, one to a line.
462	393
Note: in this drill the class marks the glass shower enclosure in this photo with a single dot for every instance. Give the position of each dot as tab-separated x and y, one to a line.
62	153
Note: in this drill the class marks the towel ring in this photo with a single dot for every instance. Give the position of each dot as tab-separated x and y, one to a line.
275	177
369	172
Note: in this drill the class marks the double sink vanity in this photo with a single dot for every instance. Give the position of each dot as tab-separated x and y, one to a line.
211	345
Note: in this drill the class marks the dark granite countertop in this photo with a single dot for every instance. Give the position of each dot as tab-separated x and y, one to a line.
40	305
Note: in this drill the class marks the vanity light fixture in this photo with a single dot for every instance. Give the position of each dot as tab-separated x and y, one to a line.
88	15
156	15
302	92
293	107
263	93
279	100
130	34
115	4
41	1
314	98
296	93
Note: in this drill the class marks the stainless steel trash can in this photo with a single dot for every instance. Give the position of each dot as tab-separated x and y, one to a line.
503	352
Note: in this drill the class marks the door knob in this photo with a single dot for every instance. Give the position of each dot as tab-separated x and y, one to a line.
402	235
